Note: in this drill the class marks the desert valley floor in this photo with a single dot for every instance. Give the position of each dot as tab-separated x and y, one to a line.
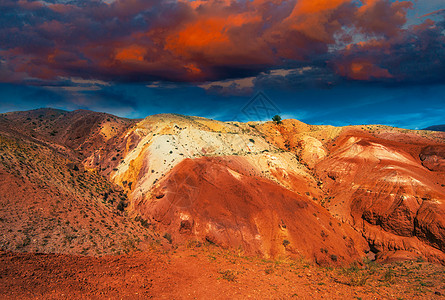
174	207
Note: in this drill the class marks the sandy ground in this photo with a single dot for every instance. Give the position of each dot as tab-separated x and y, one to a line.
209	272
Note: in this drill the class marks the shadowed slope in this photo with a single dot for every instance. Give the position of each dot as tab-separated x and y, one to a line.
50	203
80	130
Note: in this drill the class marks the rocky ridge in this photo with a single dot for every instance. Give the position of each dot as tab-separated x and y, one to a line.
329	194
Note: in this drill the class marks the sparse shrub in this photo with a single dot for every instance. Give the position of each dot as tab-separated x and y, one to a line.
70	237
130	244
168	237
193	244
355	276
144	223
388	276
229	275
286	243
121	206
26	241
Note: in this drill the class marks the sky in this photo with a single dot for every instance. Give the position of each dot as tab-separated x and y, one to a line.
331	62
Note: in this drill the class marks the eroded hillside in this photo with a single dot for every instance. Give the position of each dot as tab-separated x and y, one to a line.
365	190
51	203
329	194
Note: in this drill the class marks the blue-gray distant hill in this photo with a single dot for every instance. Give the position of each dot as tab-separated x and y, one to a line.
436	128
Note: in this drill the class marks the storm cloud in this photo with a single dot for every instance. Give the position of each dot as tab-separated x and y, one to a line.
198	41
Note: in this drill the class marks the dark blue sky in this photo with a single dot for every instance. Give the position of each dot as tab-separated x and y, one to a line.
323	62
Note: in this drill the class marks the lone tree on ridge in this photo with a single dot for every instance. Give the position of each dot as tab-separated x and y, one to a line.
277	119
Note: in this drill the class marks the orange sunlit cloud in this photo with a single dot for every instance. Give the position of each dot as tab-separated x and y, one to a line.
202	35
131	53
205	40
363	70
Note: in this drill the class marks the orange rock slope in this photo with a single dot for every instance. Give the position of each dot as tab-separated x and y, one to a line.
216	199
391	190
329	194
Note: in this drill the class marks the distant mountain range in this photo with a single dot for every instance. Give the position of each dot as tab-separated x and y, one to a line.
436	128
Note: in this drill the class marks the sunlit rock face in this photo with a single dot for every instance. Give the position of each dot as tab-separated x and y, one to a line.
383	189
381	182
329	194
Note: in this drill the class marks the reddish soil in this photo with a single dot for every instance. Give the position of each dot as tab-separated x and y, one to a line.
214	199
208	272
218	224
382	189
49	203
80	130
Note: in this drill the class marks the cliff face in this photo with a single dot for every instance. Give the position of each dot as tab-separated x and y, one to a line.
383	190
329	194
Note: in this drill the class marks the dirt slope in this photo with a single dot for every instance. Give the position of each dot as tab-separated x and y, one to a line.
79	132
217	200
208	272
325	193
49	203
